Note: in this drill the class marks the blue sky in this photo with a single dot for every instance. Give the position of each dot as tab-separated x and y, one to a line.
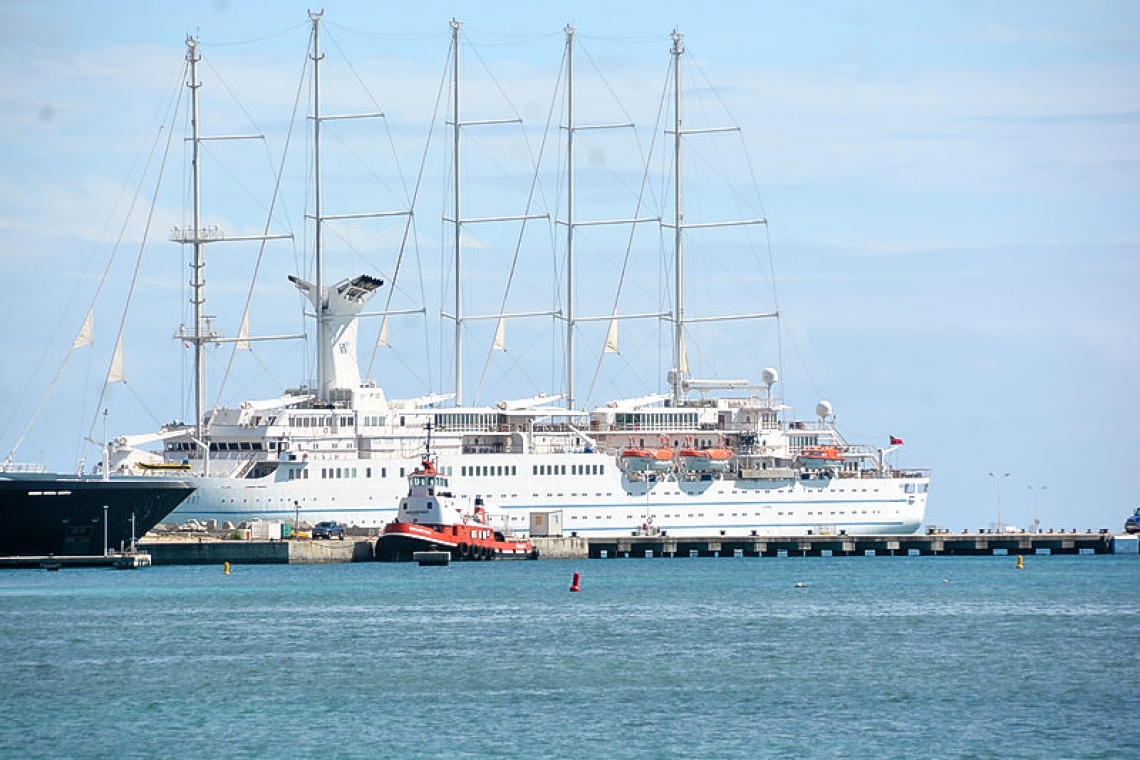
952	192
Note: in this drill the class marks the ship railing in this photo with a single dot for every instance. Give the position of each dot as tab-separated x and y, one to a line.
892	472
23	467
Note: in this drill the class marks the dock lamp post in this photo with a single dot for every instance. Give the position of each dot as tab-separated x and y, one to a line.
1036	493
104	528
998	478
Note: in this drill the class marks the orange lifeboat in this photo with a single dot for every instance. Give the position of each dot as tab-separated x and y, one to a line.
711	459
821	458
638	459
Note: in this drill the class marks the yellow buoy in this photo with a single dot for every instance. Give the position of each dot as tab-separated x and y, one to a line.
1020	562
226	569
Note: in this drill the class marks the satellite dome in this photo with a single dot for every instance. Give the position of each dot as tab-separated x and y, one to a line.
823	409
769	376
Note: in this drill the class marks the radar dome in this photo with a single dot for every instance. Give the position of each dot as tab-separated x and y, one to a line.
823	409
769	376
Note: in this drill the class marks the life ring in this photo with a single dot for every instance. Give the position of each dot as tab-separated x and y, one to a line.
326	430
464	550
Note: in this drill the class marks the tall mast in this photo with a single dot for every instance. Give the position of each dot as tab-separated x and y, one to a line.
679	375
455	26
202	333
197	282
460	222
570	217
571	222
320	302
678	222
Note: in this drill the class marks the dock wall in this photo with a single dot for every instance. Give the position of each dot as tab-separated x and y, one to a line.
258	552
217	552
571	547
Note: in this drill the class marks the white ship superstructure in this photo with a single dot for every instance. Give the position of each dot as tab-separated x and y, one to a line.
711	457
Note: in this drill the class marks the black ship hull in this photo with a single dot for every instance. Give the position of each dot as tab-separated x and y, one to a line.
66	515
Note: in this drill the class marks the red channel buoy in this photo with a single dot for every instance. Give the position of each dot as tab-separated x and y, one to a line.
574	585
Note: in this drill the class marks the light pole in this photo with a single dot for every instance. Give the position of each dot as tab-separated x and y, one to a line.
1036	493
104	525
998	478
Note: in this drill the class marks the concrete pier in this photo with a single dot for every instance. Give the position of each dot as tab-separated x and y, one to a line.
568	547
212	551
957	544
259	552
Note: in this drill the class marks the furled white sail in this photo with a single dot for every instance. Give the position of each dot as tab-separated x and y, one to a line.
86	334
611	346
116	373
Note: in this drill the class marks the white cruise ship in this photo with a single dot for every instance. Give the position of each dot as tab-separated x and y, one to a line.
708	457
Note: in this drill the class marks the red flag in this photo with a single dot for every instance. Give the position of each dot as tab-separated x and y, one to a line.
896	441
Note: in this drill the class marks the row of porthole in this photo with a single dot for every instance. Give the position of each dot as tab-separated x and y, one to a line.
734	514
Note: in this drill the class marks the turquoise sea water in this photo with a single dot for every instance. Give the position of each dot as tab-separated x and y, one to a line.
872	657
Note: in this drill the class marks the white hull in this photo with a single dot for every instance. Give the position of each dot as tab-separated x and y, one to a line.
604	504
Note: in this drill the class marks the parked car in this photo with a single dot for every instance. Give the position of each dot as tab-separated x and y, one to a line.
330	529
1132	523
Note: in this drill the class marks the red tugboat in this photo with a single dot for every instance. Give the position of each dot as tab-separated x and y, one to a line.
431	518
